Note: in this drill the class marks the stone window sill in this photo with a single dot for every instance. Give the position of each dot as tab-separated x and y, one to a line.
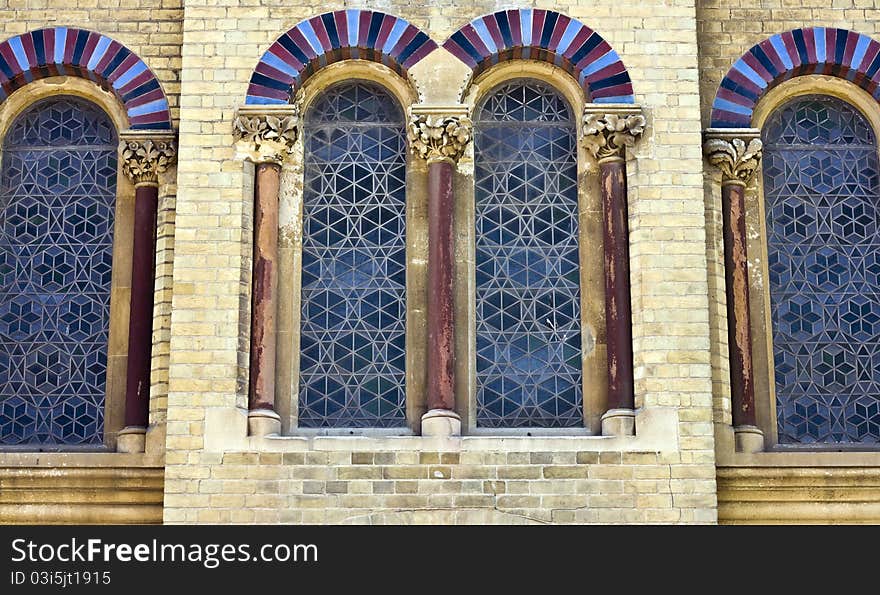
79	459
656	430
800	458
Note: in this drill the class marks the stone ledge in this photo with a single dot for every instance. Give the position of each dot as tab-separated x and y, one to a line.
800	459
12	458
795	495
106	494
656	430
80	514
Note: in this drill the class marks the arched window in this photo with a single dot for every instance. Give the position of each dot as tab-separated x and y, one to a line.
821	188
57	202
528	315
353	330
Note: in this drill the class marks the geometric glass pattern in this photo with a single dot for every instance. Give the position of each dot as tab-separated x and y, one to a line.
330	37
528	285
65	51
57	196
546	36
353	330
821	184
813	50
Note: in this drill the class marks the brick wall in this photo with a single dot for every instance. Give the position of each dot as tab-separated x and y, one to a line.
406	486
203	52
214	474
150	28
727	29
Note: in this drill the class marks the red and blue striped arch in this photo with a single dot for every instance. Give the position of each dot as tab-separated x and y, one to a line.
814	50
331	37
548	36
66	51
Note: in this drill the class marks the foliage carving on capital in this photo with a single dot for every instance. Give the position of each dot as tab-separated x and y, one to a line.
145	157
439	136
737	158
607	135
264	136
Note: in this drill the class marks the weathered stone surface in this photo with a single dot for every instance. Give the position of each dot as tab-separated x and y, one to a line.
676	55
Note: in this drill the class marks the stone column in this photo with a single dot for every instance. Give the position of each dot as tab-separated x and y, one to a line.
608	130
264	135
439	135
144	155
737	153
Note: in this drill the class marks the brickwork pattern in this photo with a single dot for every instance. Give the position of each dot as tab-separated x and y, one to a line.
150	28
446	487
222	43
162	301
204	51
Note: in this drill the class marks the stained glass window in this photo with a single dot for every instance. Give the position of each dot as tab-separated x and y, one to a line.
352	335
821	191
527	285
57	197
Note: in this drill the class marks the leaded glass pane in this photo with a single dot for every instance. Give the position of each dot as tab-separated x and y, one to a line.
352	360
528	286
57	197
821	189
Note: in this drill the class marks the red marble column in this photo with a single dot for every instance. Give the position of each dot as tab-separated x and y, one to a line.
439	135
737	153
440	357
618	310
264	135
265	287
144	155
140	326
736	274
608	131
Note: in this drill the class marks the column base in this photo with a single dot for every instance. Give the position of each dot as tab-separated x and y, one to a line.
619	422
441	422
263	422
748	439
131	439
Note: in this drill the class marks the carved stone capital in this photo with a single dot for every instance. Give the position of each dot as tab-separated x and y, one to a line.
610	128
265	133
145	154
735	151
437	132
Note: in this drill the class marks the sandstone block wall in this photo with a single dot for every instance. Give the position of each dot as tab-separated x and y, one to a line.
213	473
676	51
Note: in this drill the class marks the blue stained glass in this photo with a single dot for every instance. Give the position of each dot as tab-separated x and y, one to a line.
57	199
821	185
527	269
353	331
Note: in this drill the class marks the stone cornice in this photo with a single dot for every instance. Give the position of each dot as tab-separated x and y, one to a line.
439	132
735	151
145	154
610	128
265	133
